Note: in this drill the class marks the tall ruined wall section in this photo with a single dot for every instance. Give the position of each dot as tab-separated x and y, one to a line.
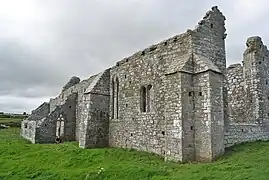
79	88
209	41
248	95
210	111
256	74
248	85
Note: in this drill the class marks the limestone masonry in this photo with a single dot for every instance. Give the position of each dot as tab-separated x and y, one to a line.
176	99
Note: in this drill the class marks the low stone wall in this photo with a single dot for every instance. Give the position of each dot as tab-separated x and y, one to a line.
28	130
28	126
242	132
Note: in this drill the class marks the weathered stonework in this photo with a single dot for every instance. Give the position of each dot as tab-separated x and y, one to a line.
94	126
175	98
244	132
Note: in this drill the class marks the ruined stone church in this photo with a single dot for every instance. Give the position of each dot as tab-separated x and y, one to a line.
176	99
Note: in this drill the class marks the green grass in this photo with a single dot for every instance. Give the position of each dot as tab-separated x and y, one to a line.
22	160
12	121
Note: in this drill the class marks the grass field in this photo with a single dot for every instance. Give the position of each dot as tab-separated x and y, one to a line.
21	160
12	121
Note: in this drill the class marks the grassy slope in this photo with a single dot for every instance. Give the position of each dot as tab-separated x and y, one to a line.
21	160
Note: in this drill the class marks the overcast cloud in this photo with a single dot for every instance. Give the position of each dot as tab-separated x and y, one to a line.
44	43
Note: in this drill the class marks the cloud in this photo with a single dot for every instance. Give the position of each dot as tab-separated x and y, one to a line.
21	70
17	104
44	43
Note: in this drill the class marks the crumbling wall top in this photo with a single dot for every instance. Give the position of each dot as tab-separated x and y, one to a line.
237	65
40	112
214	10
254	43
156	47
214	15
40	107
211	18
73	81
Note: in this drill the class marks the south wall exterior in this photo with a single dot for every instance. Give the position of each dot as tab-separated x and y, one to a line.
176	99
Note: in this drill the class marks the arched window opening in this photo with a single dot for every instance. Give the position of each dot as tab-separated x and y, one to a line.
143	99
60	126
149	97
113	98
117	97
62	129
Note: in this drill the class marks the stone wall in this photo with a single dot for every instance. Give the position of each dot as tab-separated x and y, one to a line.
203	116
248	85
248	95
43	130
28	126
28	130
94	123
69	112
244	132
145	71
216	116
209	41
78	88
40	112
256	73
173	116
236	94
46	128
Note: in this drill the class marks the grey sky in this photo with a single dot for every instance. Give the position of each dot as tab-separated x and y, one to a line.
44	43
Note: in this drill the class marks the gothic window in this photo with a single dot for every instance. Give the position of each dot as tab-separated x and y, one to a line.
146	96
62	129
117	97
58	129
60	126
149	97
113	98
143	99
